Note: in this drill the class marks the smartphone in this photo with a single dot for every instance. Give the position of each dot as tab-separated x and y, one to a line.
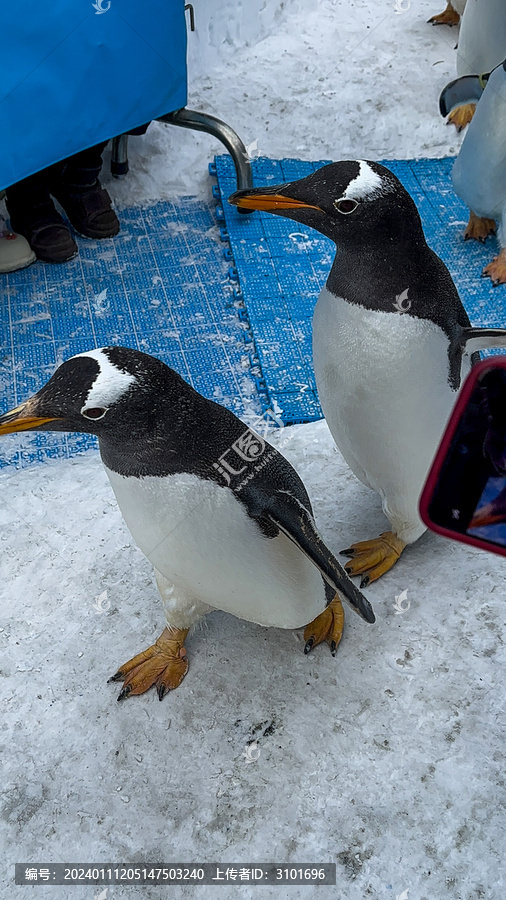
464	497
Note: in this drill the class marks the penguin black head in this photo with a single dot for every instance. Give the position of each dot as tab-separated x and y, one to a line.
112	391
346	199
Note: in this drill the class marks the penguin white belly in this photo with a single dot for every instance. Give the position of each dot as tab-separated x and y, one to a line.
482	37
479	172
382	380
459	6
201	539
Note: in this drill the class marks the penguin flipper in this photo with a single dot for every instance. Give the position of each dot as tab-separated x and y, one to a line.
473	339
287	513
467	341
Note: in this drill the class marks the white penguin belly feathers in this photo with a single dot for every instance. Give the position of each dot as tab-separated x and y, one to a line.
230	566
382	380
482	37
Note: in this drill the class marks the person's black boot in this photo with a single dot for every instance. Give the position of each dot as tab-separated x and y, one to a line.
78	190
33	214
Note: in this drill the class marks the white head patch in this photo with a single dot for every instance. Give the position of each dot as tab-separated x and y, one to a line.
109	385
366	185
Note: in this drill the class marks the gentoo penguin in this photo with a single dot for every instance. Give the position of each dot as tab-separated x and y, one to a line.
479	172
389	334
222	516
451	15
481	47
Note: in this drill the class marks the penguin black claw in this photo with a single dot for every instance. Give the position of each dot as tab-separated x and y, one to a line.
328	626
124	692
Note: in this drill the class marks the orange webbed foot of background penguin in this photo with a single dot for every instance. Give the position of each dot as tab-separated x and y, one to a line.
449	17
163	665
328	626
372	559
461	115
496	270
478	228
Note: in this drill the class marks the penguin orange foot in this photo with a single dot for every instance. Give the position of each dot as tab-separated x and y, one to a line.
163	665
450	16
328	626
479	228
461	115
372	559
496	270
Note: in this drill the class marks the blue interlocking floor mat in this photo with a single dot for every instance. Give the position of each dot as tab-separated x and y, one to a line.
160	286
279	268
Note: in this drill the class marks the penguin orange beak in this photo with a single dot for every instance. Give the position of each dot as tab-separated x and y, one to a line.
267	202
23	418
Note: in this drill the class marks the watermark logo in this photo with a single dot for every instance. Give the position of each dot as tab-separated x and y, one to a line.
99	8
249	446
252	149
401	6
403	896
267	424
247	449
399	603
402	304
102	895
100	303
102	604
251	753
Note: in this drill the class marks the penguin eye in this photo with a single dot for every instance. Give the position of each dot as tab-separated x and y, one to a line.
96	412
345	206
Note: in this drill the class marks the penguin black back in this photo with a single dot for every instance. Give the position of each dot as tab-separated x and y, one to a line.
382	259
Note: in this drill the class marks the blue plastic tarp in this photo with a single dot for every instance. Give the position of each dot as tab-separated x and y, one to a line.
77	72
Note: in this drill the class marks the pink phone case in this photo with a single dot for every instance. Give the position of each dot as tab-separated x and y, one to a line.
486	365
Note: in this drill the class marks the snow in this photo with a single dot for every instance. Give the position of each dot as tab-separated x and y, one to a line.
324	79
387	759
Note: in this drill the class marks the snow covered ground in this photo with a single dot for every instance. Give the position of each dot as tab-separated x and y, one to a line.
388	759
335	79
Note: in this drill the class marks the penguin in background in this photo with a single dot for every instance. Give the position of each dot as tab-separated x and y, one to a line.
219	512
451	15
479	172
391	338
481	47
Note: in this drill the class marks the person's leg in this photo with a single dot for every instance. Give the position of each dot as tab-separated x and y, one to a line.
76	186
33	215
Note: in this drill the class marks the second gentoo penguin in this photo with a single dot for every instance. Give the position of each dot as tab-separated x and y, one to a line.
220	513
391	338
479	172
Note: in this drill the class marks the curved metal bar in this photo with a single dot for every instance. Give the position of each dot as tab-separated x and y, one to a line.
119	158
191	118
192	15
